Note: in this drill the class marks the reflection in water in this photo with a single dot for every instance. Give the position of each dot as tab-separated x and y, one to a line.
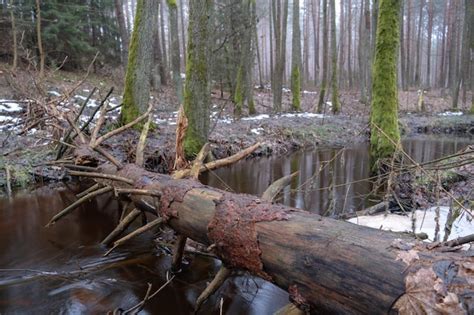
61	269
330	180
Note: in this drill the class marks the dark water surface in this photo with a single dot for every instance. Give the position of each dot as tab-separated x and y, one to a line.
61	269
331	180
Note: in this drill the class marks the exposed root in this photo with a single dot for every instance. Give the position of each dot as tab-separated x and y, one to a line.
272	191
122	226
178	251
218	280
77	203
137	232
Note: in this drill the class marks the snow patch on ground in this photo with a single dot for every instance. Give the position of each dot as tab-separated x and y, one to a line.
304	115
310	92
54	93
448	113
9	106
425	222
257	131
258	117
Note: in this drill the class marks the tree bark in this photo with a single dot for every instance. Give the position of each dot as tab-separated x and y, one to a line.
175	54
315	7
334	81
419	45
322	91
183	32
39	38
14	44
296	58
197	90
122	30
137	79
430	33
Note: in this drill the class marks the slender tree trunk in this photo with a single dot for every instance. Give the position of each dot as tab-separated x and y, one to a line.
296	58
419	44
402	51
349	44
280	24
126	9
442	64
175	54
306	60
408	54
39	38
183	32
430	32
316	7
385	133
270	29
197	90
159	62
336	106
325	58
163	34
136	94
341	45
122	30
15	44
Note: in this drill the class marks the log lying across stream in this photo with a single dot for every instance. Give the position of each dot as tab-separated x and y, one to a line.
327	266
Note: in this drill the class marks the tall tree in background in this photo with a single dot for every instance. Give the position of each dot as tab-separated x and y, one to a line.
175	54
430	36
384	111
322	91
197	86
280	22
136	93
336	106
122	30
14	33
39	38
419	44
183	30
296	58
470	21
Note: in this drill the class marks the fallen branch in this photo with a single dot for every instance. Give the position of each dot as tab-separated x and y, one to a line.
77	203
122	226
216	282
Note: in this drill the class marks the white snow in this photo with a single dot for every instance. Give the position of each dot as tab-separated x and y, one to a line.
9	106
310	92
286	90
225	120
448	113
8	119
54	93
304	115
425	222
86	90
257	130
183	75
258	117
82	98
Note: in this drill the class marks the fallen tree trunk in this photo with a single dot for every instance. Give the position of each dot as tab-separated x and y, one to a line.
326	265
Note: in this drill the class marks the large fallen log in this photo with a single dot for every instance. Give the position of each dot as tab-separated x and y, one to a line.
326	265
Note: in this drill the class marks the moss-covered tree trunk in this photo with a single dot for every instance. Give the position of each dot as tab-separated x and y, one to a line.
197	86
385	134
322	91
336	106
175	55
296	58
137	79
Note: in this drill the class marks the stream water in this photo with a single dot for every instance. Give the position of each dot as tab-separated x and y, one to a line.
61	269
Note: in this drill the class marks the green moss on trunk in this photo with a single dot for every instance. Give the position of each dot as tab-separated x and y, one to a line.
197	87
238	94
296	88
384	111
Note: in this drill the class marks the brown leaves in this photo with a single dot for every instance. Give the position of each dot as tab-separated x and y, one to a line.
427	294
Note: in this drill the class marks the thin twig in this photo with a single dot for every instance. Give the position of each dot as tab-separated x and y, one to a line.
77	203
101	175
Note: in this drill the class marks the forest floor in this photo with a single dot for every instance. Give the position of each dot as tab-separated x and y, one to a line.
26	151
